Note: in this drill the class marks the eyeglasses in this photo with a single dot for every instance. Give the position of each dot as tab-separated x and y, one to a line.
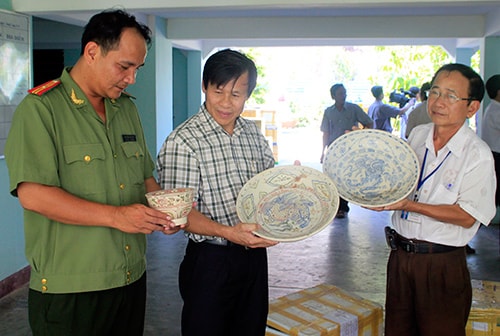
450	98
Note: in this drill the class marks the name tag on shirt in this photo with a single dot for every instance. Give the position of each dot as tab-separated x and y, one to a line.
411	216
129	137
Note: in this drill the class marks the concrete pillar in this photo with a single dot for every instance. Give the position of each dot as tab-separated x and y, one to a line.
194	78
490	50
464	55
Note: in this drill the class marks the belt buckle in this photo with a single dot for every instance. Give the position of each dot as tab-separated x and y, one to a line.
410	246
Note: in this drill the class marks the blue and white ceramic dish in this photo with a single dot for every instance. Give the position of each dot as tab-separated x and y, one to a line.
289	202
372	168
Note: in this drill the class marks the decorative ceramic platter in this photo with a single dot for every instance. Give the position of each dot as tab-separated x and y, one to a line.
372	167
289	202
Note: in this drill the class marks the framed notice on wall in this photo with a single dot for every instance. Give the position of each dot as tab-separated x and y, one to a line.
15	67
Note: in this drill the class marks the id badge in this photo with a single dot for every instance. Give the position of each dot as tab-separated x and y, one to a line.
414	217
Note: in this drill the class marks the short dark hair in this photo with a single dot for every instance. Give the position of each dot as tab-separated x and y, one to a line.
334	89
377	90
476	84
105	29
227	65
493	85
423	91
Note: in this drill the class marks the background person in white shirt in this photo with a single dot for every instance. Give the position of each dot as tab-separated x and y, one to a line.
491	125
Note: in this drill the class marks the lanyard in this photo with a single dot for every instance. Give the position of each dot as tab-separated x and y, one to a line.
422	179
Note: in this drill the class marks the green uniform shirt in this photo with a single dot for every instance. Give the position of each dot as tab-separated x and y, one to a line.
57	139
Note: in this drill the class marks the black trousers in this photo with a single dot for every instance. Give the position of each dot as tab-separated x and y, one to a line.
118	311
343	205
224	289
496	157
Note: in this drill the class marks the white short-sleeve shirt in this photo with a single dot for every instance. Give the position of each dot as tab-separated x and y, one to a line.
462	173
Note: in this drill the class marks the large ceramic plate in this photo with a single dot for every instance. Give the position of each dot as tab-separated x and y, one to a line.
289	202
372	167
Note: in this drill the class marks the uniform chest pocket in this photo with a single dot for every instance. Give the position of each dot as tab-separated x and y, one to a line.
134	157
132	150
83	170
84	154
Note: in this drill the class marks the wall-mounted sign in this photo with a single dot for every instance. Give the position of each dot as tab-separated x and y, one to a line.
15	67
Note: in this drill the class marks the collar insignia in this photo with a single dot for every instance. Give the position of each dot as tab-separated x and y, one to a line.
75	99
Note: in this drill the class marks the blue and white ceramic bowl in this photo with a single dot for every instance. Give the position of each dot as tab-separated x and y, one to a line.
289	202
372	168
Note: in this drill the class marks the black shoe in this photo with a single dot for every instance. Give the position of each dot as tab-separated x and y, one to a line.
469	250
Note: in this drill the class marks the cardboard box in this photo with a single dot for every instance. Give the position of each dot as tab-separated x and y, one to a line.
484	317
325	310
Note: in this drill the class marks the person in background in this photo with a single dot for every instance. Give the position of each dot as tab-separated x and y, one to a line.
419	115
415	93
381	113
79	164
491	126
223	278
338	119
428	283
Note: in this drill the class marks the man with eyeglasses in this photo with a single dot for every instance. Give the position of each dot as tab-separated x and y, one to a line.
428	283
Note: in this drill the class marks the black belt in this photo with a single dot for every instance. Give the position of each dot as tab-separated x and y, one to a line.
396	241
221	242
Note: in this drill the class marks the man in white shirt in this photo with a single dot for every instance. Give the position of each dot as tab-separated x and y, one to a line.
428	283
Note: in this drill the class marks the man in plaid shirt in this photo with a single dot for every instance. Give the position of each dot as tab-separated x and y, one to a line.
223	278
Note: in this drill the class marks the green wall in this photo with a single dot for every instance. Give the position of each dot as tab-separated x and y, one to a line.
5	4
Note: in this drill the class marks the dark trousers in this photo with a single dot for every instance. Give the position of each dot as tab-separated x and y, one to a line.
496	157
225	290
427	294
118	311
343	205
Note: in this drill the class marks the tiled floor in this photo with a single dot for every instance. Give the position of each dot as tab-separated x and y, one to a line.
351	254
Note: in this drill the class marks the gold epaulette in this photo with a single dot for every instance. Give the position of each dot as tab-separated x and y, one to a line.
45	87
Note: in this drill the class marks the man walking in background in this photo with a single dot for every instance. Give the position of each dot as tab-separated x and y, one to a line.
338	119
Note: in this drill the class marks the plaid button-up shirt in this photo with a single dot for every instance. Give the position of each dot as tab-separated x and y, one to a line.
200	154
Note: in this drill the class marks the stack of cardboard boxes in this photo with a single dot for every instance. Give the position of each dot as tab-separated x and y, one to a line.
324	310
484	317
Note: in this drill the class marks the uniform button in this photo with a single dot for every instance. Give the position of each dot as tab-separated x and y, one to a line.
115	156
122	186
86	158
44	288
137	154
128	273
44	281
127	247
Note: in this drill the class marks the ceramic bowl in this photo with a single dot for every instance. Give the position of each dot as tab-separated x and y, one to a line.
289	202
177	203
372	168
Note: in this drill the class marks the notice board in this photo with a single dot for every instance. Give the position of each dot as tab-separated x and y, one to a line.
15	67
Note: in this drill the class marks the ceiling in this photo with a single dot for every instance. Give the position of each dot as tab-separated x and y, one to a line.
201	25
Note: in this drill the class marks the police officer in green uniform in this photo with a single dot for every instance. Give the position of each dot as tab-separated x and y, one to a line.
79	164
